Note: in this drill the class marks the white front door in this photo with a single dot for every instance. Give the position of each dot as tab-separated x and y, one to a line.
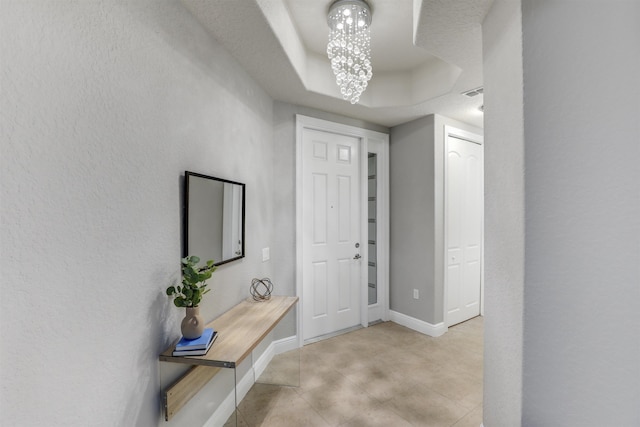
464	208
331	227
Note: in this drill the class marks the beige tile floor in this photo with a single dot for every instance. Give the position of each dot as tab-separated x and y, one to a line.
385	375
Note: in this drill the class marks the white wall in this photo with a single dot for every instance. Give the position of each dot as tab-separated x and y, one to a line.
504	214
582	191
104	105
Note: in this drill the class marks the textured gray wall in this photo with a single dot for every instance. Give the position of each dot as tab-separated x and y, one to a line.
104	105
411	195
582	275
562	335
504	214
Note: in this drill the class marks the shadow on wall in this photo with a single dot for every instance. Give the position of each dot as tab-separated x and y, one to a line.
163	320
174	24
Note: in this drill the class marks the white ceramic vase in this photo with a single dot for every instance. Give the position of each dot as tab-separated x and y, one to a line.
192	325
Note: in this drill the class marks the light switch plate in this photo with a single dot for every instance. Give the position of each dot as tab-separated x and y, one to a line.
265	254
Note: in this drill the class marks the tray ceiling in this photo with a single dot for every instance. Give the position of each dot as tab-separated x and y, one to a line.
424	53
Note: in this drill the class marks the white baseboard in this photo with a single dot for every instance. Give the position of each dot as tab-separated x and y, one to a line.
276	347
285	344
224	411
261	364
245	384
417	325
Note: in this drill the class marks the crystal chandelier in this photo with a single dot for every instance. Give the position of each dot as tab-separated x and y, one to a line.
349	47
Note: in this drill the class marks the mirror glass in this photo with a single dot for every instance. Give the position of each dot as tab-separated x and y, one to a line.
213	218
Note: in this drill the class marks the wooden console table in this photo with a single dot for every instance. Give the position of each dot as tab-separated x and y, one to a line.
240	330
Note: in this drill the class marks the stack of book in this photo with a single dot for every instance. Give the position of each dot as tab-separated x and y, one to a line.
198	346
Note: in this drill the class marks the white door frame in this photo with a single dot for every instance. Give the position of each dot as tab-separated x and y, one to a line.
365	135
450	131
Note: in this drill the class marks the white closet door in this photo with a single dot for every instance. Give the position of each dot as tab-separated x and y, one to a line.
464	228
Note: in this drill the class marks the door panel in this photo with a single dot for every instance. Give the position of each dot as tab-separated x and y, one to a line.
319	209
319	287
344	209
453	289
344	281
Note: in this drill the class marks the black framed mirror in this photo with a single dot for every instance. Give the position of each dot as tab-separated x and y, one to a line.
213	220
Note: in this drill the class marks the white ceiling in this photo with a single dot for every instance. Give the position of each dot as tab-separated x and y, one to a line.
394	51
425	53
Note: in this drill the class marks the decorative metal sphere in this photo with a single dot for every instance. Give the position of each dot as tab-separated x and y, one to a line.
261	289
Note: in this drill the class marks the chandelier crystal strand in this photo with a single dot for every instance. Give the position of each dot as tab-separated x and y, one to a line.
349	47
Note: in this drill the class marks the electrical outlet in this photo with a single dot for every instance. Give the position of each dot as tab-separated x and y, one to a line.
265	254
416	294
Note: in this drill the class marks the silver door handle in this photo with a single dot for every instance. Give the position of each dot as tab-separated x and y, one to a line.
357	256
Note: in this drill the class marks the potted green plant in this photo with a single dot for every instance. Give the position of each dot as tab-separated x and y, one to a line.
190	293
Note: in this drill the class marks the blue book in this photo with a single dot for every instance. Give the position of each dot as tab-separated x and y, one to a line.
200	352
196	344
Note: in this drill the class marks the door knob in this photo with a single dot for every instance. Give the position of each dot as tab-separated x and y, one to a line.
357	256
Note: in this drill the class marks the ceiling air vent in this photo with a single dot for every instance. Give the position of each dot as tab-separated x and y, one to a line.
473	92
